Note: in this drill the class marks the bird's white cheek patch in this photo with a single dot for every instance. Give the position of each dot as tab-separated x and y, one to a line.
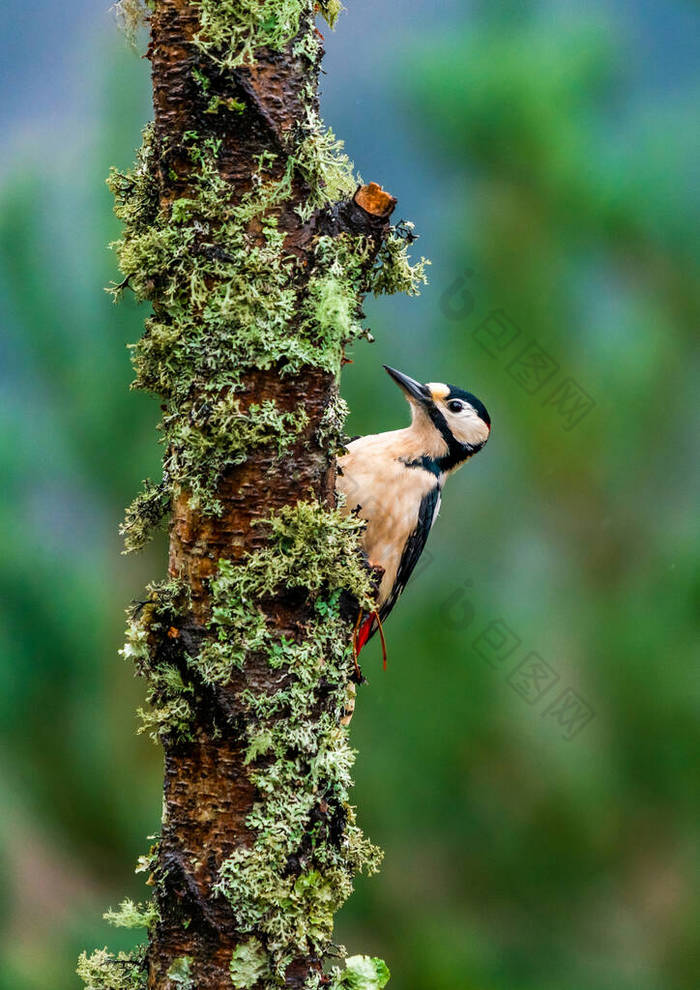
473	433
438	390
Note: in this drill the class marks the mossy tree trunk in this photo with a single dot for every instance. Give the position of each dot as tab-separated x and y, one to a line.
245	230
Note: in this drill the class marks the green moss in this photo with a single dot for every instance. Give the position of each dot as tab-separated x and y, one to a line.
105	971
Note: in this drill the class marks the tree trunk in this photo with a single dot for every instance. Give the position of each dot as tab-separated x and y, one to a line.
245	231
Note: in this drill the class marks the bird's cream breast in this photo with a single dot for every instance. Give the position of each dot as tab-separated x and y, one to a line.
387	493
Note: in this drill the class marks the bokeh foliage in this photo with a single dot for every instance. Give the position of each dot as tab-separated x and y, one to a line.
516	860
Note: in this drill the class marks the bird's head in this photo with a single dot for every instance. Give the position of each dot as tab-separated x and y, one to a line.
454	423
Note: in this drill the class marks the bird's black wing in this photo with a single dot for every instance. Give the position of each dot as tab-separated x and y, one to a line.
414	548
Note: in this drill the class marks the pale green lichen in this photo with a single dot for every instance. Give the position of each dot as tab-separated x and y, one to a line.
131	16
229	295
288	885
394	272
104	971
232	30
361	973
327	170
331	10
218	434
225	302
180	974
295	910
249	964
147	862
131	915
156	656
330	434
311	548
299	871
145	514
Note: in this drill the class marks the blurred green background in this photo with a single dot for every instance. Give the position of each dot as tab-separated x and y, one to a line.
529	761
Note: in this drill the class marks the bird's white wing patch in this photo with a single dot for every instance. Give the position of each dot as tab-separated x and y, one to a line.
437	509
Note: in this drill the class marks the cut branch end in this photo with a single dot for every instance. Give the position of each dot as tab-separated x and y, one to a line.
375	200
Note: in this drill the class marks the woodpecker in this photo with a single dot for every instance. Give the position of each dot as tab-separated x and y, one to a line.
394	481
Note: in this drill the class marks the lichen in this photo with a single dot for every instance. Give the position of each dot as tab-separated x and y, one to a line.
288	885
131	915
249	964
218	434
311	548
232	30
145	514
152	644
292	880
330	434
180	974
394	272
331	10
361	973
225	301
104	971
131	16
232	292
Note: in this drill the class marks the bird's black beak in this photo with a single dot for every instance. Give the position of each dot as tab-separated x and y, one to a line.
411	387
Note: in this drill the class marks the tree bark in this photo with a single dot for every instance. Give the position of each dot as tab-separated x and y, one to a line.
244	229
249	110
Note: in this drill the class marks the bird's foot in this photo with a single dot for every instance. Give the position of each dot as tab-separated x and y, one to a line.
375	615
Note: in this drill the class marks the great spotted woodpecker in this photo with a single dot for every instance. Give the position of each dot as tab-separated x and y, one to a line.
394	481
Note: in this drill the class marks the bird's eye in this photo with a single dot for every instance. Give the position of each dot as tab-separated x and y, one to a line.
455	406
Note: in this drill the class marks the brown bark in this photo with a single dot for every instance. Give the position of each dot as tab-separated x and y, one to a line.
208	794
